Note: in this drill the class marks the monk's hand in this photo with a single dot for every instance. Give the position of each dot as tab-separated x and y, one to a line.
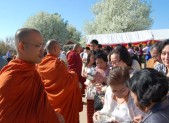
137	119
95	115
60	118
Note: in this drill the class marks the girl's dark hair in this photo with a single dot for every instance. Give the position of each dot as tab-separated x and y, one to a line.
163	44
149	85
123	54
102	56
156	45
88	59
118	75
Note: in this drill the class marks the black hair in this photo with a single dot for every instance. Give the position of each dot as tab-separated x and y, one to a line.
107	49
94	41
102	56
88	58
99	46
157	45
130	45
87	48
70	48
163	44
123	54
149	85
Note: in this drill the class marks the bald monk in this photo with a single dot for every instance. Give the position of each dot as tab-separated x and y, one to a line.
61	85
22	95
75	63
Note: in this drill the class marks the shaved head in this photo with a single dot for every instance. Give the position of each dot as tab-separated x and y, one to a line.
23	34
50	44
53	47
76	46
29	45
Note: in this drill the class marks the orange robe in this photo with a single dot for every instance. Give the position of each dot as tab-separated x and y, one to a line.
62	88
151	63
22	95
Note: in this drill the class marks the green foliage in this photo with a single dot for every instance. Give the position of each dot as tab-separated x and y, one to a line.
119	16
6	44
73	34
52	26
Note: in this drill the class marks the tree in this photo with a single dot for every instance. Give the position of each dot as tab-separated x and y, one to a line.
73	34
7	44
52	26
119	16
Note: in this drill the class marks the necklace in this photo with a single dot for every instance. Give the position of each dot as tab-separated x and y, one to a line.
120	101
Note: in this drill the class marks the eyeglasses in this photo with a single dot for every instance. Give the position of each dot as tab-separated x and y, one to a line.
35	45
115	62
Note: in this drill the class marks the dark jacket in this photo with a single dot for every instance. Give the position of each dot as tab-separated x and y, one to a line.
159	113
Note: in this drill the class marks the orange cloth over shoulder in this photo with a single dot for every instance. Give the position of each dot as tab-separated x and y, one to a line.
62	88
151	63
22	95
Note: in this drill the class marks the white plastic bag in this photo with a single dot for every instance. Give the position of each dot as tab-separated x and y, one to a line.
90	92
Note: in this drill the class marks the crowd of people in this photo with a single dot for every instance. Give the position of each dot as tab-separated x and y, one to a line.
44	84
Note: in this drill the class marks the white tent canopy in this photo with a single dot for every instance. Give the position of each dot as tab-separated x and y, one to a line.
129	37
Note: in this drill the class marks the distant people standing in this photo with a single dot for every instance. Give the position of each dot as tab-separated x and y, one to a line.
62	56
3	62
85	54
9	56
94	47
147	52
130	50
140	53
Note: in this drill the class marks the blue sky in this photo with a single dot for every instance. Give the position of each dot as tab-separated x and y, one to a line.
14	13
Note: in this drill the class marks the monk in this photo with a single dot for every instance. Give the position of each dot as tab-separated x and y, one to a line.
62	86
75	64
22	95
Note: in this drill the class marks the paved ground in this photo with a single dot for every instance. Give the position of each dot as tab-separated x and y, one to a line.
83	115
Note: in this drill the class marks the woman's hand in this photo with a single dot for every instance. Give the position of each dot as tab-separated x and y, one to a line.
95	115
137	119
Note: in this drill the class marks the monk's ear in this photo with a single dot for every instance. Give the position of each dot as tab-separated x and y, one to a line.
20	46
54	48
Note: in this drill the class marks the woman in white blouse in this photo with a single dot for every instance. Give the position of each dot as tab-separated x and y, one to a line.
118	105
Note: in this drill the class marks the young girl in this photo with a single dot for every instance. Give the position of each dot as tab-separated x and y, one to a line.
88	72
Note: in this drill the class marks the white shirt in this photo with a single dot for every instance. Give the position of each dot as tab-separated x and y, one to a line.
135	65
63	57
110	107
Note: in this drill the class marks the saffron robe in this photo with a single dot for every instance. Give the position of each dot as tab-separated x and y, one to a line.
22	95
62	88
75	64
